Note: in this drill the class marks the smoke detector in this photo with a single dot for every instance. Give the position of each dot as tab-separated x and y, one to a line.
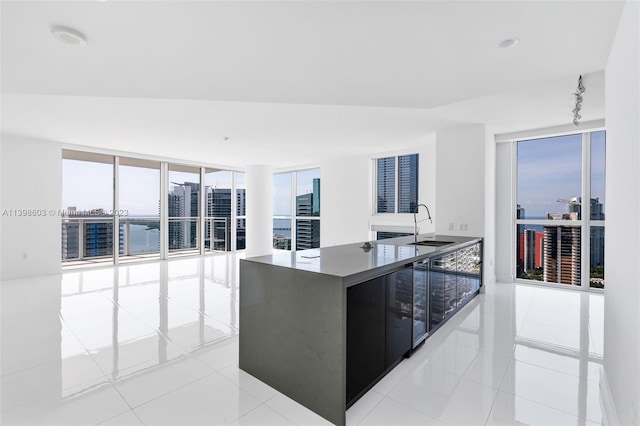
69	36
509	43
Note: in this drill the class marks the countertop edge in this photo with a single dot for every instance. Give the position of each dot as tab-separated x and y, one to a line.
365	273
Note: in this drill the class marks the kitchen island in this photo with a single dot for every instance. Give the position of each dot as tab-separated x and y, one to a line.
322	326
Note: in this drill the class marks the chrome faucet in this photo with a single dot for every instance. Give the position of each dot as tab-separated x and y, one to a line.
415	221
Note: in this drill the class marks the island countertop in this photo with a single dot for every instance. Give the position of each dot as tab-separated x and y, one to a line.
355	264
311	319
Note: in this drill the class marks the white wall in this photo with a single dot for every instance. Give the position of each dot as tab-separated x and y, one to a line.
347	196
31	179
489	266
504	236
403	222
345	200
460	177
259	181
622	292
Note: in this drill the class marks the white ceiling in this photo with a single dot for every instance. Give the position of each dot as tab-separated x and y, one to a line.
294	82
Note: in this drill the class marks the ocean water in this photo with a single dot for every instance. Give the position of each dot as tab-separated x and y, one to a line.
143	240
282	227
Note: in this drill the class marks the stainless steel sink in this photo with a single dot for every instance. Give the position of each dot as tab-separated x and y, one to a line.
432	243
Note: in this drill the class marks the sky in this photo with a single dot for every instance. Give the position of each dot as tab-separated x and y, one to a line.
550	169
282	189
88	185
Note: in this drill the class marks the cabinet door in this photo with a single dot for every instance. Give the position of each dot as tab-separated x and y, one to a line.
469	271
450	284
442	282
399	312
366	336
420	300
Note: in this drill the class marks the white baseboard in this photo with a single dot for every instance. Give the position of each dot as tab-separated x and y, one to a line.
609	413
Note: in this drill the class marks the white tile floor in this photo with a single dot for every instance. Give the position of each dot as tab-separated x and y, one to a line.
157	343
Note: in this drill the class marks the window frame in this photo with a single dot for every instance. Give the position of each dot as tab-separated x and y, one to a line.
294	217
584	223
396	184
113	159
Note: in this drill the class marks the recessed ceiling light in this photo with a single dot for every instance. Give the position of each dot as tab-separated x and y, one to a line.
69	36
510	42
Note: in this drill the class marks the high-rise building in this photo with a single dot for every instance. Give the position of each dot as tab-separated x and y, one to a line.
563	245
529	252
183	203
89	234
596	234
241	226
562	254
315	202
529	249
218	213
308	230
218	226
407	183
70	240
385	186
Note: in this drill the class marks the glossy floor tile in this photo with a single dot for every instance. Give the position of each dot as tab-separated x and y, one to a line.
157	343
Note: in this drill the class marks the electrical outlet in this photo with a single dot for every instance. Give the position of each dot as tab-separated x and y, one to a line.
25	256
463	226
451	224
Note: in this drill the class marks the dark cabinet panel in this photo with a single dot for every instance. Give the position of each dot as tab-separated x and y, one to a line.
469	272
399	309
366	336
454	278
442	275
378	328
389	316
420	301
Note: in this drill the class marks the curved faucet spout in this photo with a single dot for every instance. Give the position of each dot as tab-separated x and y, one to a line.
415	220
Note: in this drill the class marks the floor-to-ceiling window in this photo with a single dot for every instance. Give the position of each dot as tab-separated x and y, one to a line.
219	200
183	208
296	210
241	210
139	204
596	215
150	208
559	235
87	207
282	197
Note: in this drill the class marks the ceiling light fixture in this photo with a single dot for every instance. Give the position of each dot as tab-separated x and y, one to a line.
69	36
508	43
578	95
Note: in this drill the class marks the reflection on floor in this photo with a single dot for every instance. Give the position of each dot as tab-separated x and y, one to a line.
157	343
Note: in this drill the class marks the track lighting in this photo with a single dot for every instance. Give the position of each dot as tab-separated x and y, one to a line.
578	94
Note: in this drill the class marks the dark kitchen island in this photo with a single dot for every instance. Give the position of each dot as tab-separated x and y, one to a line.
322	326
